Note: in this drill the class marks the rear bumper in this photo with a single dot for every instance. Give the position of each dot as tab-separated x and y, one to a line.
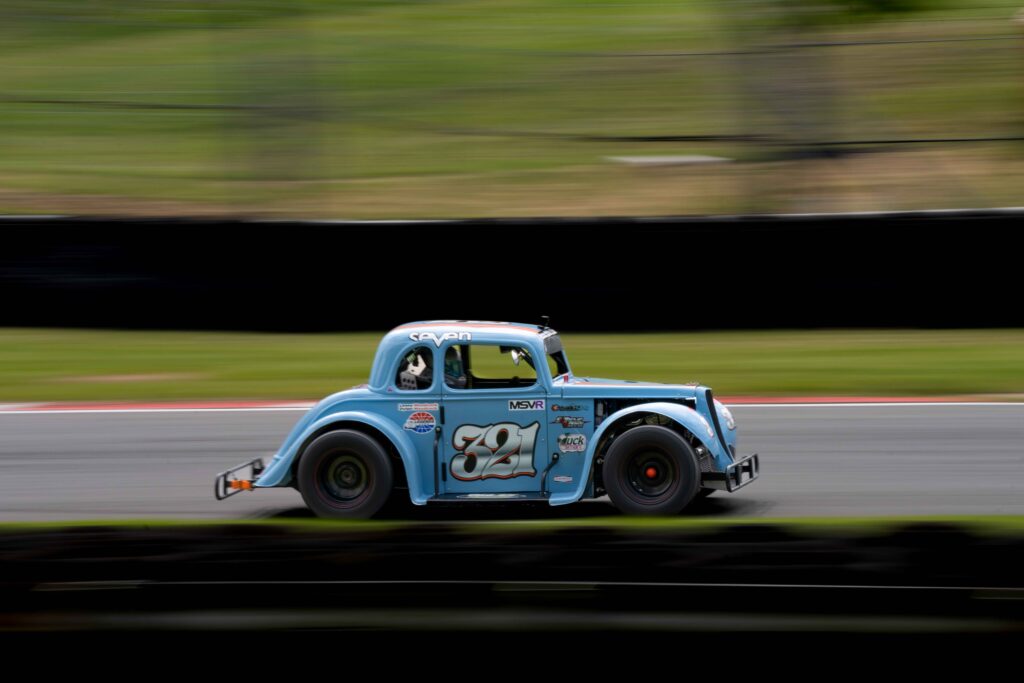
736	475
226	484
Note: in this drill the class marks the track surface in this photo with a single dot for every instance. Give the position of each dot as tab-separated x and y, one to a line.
816	460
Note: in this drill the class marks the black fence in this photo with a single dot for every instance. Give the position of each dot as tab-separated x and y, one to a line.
941	269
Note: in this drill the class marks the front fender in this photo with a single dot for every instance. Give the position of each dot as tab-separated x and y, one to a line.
278	473
682	415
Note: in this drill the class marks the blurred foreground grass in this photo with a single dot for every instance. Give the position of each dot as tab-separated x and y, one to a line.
992	525
63	365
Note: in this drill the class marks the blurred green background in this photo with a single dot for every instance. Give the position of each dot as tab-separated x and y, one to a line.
380	109
56	365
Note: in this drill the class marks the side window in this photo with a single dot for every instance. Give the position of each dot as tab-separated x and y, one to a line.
416	371
454	368
488	366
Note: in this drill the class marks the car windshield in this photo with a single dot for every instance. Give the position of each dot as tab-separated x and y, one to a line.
556	356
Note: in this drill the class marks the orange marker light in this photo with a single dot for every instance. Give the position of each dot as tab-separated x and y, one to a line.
243	484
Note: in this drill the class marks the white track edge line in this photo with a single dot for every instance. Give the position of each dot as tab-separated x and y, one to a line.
869	404
271	409
110	411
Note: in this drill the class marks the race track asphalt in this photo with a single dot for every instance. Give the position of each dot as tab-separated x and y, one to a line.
817	461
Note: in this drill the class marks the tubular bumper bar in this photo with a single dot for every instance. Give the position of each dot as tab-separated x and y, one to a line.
736	475
225	487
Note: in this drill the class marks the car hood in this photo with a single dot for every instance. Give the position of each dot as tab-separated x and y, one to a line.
599	386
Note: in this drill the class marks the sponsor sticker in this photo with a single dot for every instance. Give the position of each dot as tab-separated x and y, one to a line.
421	423
417	407
537	404
562	408
439	339
572	443
569	421
562	479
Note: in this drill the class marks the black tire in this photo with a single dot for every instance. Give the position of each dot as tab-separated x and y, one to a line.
345	474
651	470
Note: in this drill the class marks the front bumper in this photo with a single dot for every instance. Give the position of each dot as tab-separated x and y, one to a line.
736	475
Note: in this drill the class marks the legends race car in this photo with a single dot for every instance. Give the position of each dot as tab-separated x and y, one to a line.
461	411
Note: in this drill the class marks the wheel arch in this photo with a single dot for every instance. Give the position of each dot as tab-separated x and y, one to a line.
400	450
401	480
682	419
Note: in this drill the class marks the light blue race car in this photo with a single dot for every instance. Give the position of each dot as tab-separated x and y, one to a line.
465	411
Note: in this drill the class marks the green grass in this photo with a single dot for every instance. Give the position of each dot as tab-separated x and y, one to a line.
66	365
392	87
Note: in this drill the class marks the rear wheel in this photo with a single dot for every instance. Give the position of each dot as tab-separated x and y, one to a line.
345	474
651	470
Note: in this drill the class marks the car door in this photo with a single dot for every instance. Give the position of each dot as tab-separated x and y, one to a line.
495	431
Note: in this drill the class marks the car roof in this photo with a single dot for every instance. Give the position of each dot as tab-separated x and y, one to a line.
475	327
436	332
485	331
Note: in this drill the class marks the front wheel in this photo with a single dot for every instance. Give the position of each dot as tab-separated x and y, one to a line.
345	474
651	470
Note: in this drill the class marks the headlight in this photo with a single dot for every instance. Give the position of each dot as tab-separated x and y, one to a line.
724	412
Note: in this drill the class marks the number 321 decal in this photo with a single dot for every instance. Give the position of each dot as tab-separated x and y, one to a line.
498	451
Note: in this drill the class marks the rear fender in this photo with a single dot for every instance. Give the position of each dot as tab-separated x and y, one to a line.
279	472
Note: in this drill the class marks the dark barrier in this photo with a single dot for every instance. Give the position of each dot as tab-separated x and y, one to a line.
925	578
942	269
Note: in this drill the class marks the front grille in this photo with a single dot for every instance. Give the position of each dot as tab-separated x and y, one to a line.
704	460
714	414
